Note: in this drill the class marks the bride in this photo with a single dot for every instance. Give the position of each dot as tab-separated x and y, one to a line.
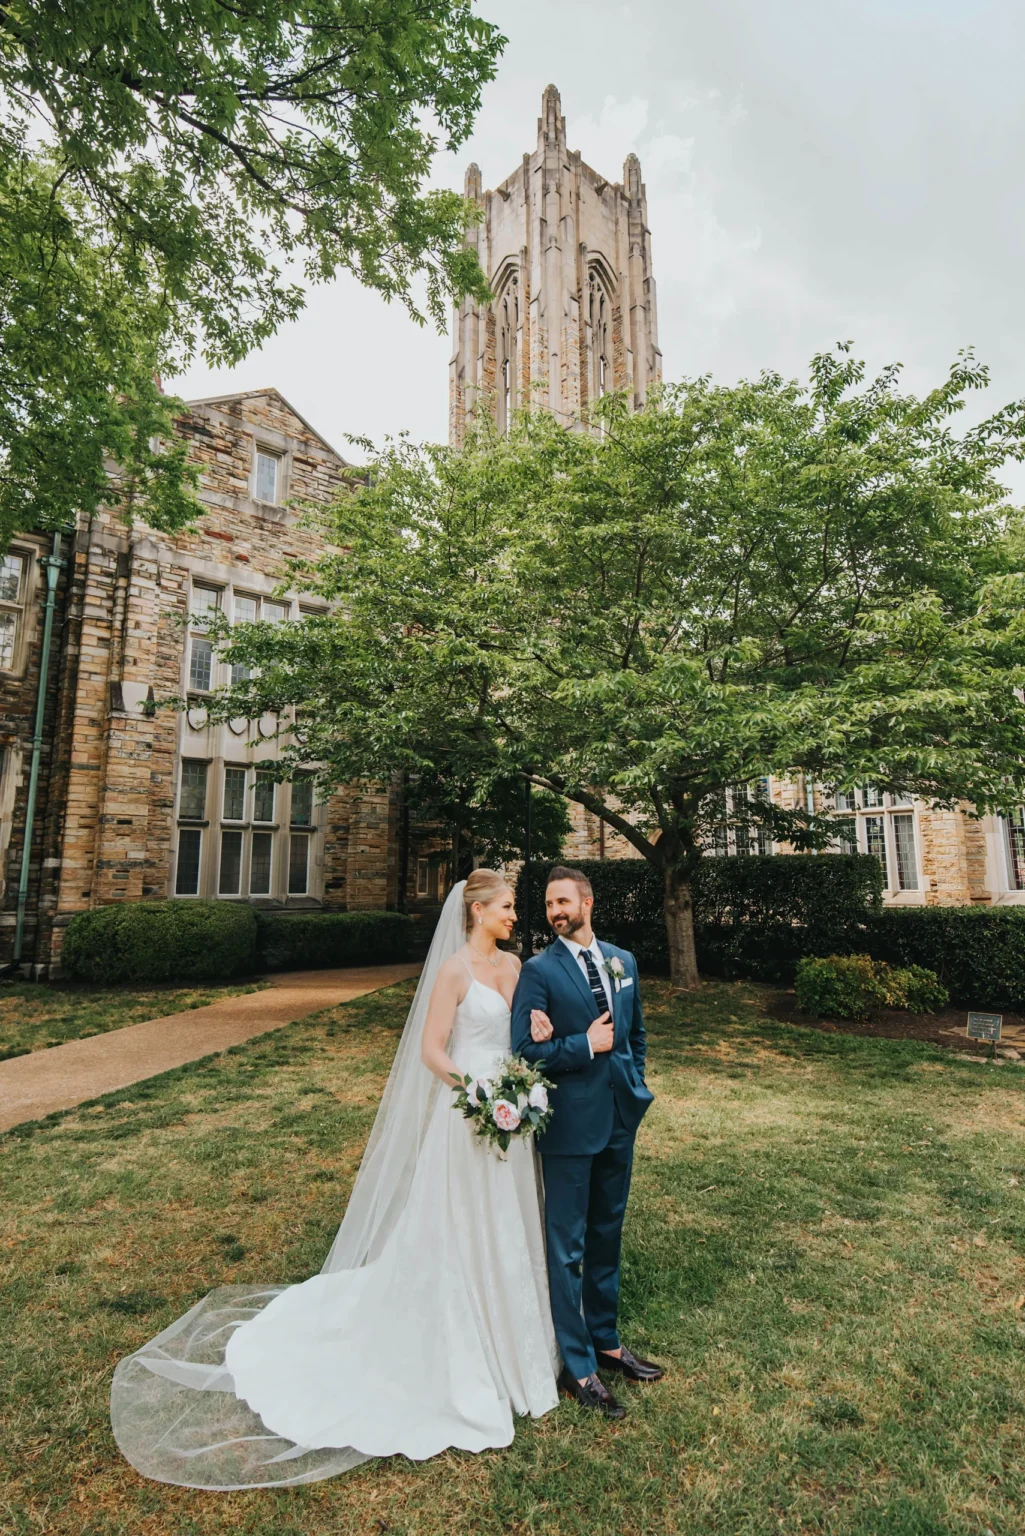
429	1325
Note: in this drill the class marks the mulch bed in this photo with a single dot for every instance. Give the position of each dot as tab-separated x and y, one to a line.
892	1024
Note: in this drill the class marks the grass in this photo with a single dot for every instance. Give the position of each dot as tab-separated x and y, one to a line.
825	1246
35	1015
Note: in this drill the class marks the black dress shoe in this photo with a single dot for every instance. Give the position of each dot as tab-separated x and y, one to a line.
629	1366
592	1394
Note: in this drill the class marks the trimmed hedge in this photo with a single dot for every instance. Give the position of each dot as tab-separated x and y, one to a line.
757	917
293	941
978	953
753	917
153	941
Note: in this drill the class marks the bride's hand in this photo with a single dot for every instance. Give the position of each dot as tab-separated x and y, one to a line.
540	1026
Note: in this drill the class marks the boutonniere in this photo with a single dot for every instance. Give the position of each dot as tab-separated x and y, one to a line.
616	969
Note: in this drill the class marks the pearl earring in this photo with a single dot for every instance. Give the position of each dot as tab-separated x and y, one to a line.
480	919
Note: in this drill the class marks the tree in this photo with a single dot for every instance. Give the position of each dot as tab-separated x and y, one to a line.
487	819
766	579
162	165
83	339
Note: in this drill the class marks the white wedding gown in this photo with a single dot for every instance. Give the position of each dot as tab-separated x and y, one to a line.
437	1341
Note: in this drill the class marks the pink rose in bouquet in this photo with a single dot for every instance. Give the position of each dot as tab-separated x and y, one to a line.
512	1100
507	1116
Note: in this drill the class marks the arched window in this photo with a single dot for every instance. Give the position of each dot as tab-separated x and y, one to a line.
599	321
507	318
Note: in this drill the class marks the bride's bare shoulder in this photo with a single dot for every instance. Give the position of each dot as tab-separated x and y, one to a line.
453	968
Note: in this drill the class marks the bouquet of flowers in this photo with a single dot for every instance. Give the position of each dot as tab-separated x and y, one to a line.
513	1101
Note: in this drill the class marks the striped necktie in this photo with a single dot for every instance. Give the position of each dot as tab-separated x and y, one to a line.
595	982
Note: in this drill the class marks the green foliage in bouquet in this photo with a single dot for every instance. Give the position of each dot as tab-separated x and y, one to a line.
513	1102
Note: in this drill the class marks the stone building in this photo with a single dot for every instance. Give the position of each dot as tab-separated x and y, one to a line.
134	799
129	798
567	256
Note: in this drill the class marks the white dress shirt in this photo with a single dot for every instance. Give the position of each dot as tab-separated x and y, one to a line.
594	950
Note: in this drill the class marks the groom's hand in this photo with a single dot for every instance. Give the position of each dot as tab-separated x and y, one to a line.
600	1034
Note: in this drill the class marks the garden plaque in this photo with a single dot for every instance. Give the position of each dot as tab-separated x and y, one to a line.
984	1026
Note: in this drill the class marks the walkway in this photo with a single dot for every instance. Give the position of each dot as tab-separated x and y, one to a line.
65	1075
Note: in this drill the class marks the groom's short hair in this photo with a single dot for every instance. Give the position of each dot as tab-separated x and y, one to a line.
563	872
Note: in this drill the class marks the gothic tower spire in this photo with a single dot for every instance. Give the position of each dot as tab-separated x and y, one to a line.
567	256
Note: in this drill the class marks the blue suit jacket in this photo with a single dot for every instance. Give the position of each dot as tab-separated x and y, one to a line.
585	1090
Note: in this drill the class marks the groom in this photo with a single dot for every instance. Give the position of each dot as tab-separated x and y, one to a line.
595	1055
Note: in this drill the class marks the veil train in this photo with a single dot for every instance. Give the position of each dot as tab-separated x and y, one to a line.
173	1407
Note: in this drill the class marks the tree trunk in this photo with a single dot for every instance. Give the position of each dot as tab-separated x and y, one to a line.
679	910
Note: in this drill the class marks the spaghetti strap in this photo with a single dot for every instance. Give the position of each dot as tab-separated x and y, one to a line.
469	970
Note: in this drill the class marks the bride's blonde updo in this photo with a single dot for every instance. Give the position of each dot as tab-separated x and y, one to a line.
483	885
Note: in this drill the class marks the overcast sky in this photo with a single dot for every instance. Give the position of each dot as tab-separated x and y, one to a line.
815	170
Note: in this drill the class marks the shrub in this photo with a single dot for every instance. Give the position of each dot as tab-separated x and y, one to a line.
753	916
840	986
921	990
301	940
154	941
978	953
855	986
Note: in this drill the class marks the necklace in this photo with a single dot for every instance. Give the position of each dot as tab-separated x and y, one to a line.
486	958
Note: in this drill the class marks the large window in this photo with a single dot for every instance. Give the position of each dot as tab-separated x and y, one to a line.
191	807
255	855
734	831
1014	843
507	329
192	800
201	664
298	864
261	868
883	825
268	476
205	672
230	878
905	861
233	807
599	333
264	794
875	841
13	578
302	801
190	847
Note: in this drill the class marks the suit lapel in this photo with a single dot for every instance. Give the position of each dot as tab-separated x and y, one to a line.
617	995
570	962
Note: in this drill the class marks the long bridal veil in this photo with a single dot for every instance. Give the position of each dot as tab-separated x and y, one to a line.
173	1409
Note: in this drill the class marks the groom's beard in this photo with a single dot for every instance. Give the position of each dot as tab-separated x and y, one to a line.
566	926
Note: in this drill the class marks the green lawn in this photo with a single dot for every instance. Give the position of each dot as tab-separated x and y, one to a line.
826	1246
34	1015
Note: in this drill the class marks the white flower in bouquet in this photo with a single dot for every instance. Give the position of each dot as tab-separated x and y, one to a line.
512	1102
507	1116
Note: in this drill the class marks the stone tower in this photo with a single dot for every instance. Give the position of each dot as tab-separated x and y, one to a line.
567	256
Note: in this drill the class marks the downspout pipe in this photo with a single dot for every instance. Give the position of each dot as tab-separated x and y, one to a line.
53	566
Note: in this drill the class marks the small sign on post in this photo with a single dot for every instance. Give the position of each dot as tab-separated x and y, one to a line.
984	1026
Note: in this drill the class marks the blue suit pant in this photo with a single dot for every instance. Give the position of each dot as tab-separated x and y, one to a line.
585	1203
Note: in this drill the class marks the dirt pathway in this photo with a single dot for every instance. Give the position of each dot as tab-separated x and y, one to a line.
65	1075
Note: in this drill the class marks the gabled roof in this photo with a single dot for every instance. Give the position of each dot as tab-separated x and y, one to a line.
253	394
